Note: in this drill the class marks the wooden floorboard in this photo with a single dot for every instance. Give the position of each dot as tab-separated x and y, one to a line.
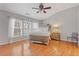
19	48
55	48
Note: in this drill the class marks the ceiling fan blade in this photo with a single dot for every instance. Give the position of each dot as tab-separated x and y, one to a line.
35	8
47	8
44	11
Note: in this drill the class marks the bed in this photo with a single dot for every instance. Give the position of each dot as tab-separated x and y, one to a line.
40	37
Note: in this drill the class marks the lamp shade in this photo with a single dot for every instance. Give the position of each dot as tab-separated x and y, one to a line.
56	28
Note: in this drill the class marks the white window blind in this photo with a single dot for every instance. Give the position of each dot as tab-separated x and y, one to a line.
35	26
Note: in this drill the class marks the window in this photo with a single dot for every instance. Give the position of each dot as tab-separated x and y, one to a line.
30	26
35	26
15	27
11	27
22	27
25	27
18	27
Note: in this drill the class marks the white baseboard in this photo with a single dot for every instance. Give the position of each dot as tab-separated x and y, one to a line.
69	40
3	43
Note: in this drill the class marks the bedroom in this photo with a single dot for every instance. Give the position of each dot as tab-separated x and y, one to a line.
25	22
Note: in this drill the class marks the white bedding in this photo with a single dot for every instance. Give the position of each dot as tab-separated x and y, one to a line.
41	33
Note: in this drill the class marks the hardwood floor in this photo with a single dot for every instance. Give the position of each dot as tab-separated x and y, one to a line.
20	48
55	48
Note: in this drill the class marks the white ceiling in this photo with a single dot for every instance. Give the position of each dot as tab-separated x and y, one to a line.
26	9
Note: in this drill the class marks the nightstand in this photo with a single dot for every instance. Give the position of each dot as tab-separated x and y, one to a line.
55	36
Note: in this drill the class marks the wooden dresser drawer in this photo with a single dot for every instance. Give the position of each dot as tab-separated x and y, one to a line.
55	35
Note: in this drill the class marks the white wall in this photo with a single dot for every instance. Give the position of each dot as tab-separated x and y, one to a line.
78	20
3	28
67	20
78	24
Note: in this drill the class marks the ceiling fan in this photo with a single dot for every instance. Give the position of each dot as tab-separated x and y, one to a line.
42	8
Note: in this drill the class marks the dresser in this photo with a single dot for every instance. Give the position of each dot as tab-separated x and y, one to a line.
55	35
